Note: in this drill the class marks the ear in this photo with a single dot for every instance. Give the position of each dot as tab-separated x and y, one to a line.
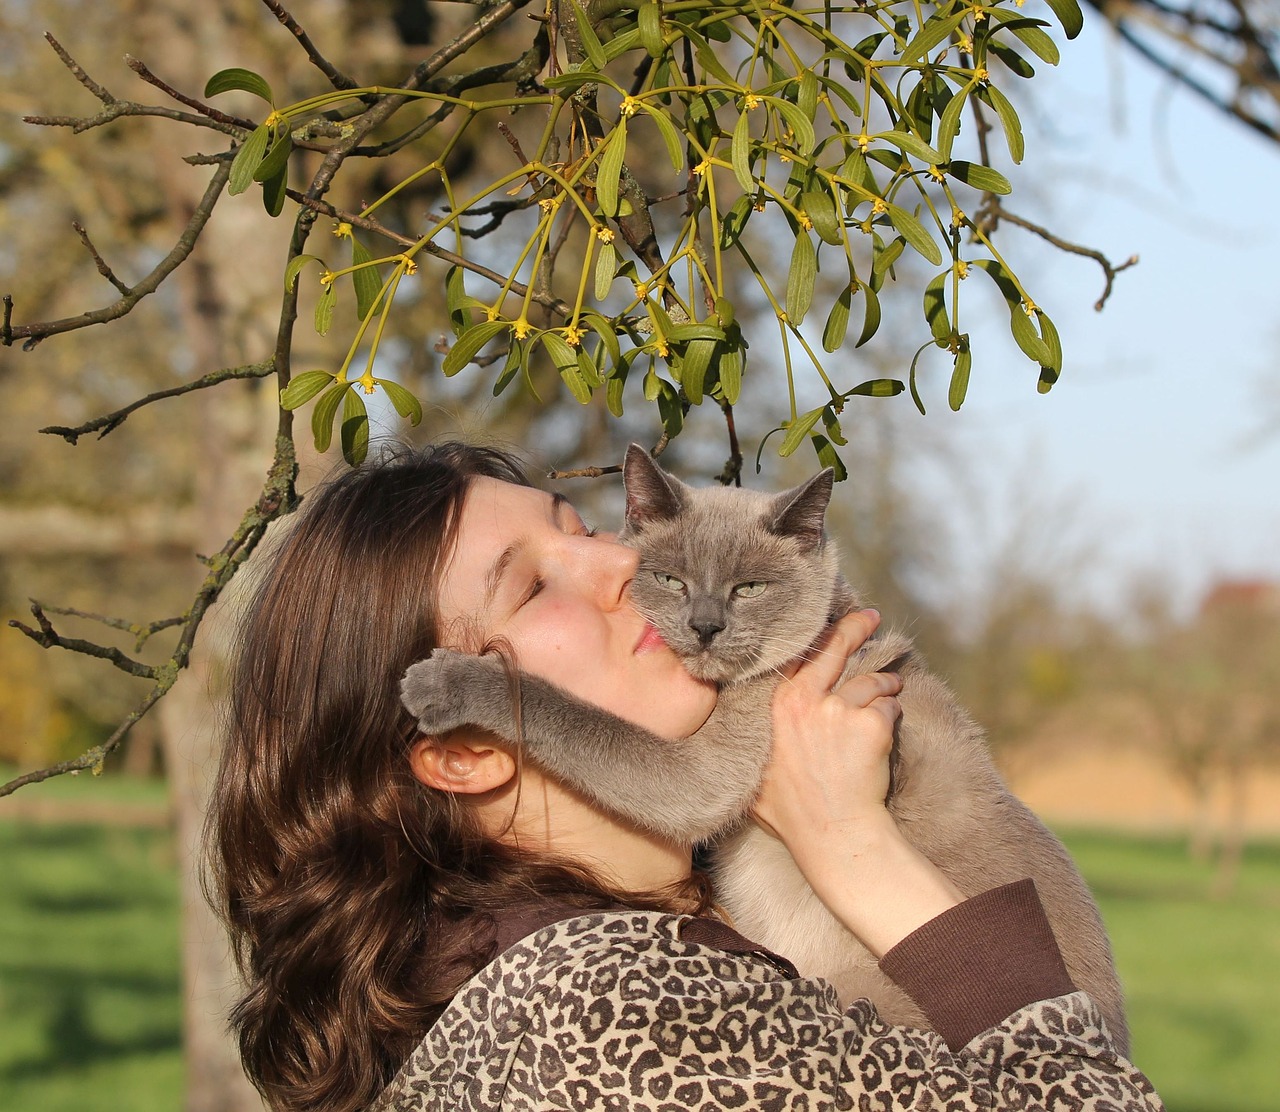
652	494
462	763
801	511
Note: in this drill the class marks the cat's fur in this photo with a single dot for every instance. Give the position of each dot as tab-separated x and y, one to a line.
946	797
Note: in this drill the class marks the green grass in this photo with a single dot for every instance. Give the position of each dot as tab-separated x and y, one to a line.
90	995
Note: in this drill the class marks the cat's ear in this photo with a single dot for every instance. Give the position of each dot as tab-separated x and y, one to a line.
652	494
802	511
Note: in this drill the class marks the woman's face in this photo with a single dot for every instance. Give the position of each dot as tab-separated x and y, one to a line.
526	569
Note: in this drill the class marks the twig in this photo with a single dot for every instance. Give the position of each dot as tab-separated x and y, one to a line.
142	633
206	110
112	421
732	472
996	211
337	78
98	260
34	333
78	72
49	638
586	472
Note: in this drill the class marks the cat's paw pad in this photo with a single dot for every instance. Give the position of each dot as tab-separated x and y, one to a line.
432	690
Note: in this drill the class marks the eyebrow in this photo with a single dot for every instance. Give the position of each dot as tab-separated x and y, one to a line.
502	565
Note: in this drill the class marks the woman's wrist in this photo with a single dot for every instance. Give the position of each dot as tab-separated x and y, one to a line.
876	883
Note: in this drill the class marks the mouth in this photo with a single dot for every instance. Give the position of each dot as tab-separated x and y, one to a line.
650	640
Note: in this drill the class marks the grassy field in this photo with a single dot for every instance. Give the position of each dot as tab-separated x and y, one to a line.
90	997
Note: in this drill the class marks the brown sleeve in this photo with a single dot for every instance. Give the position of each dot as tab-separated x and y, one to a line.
979	962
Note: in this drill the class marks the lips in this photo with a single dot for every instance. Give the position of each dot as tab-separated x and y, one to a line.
650	640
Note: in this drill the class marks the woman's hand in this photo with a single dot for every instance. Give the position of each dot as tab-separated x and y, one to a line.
824	793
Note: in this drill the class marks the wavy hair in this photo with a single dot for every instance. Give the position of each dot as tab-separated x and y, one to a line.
356	898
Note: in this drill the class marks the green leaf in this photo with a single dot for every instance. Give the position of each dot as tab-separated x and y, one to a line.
871	318
960	378
225	80
609	169
562	355
355	428
911	145
670	409
828	457
877	388
837	321
1014	62
740	152
801	278
884	258
734	221
731	375
606	270
323	414
366	280
608	336
650	22
588	369
800	124
935	307
324	309
590	40
807	97
832	424
467	346
697	331
277	158
1003	280
406	404
275	191
949	124
913	232
1053	342
707	58
1027	338
1028	30
821	209
1069	15
516	356
575	77
613	392
457	301
247	159
302	388
1008	119
798	429
295	265
935	31
979	176
670	136
693	368
856	170
621	43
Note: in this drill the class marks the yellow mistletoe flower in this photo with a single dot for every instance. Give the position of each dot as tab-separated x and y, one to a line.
1030	307
958	218
937	174
642	289
702	167
878	207
342	230
573	336
366	383
804	220
966	44
751	101
660	348
521	328
863	141
982	74
327	277
978	13
962	269
603	234
629	106
410	266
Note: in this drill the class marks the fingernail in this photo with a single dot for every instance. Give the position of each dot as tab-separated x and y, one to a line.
873	613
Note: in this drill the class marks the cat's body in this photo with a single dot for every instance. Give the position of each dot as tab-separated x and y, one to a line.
738	583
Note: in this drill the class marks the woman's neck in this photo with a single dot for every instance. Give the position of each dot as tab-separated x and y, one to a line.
544	816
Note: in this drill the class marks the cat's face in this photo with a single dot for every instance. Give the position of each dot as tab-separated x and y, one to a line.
736	582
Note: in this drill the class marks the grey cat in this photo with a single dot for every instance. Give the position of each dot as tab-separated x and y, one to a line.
738	583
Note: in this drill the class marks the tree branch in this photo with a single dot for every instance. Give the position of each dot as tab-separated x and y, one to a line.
336	77
49	638
34	333
78	72
142	633
203	109
98	260
112	421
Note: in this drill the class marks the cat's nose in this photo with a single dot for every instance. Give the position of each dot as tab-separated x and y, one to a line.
706	629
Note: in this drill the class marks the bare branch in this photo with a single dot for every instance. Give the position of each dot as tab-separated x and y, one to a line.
49	638
993	212
732	473
111	421
77	72
142	633
205	110
34	333
586	472
98	260
337	78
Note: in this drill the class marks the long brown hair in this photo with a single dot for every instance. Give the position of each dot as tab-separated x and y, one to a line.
351	892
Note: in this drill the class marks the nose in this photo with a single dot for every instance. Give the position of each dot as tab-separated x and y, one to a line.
706	619
607	569
706	630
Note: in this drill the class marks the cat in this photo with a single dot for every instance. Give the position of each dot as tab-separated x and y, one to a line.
738	583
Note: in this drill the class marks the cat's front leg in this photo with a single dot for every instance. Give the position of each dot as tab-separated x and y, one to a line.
684	789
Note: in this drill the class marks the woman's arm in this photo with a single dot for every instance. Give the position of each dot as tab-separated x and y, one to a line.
826	785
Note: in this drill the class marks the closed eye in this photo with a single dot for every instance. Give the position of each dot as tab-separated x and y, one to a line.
670	582
535	589
750	589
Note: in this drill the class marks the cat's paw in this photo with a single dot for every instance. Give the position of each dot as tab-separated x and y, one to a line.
440	691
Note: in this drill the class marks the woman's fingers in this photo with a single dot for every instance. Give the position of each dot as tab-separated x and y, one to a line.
824	663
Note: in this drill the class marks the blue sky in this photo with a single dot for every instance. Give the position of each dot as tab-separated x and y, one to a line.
1161	442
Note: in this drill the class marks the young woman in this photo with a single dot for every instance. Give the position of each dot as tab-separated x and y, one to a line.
430	923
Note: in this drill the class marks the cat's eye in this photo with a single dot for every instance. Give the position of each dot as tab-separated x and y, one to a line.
749	589
669	581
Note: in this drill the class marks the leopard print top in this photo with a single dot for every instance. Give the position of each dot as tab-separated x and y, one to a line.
612	1011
